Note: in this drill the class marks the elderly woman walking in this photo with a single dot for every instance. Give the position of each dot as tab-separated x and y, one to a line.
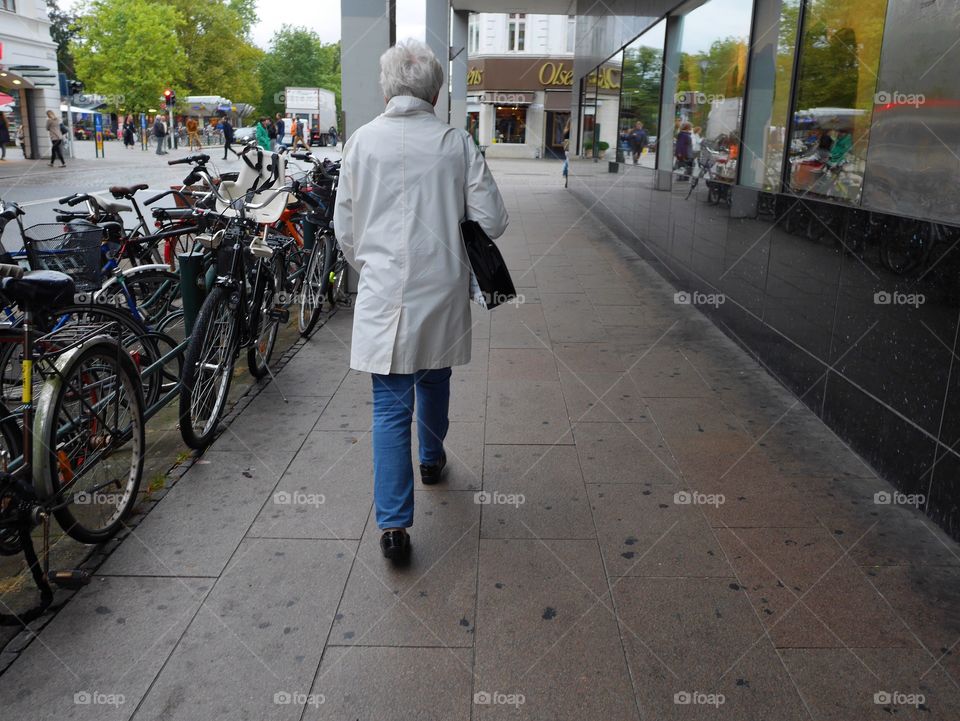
407	181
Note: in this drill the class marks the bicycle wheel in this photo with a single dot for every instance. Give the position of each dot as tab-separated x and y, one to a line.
156	293
131	333
337	290
264	329
88	442
208	369
311	300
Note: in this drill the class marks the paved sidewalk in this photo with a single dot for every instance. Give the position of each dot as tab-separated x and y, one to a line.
637	523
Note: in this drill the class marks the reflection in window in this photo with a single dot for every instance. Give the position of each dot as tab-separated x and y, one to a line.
588	110
768	104
836	82
710	85
511	123
640	97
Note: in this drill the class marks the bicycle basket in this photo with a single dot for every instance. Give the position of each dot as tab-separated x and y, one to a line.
74	250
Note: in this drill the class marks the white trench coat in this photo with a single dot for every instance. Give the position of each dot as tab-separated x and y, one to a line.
406	181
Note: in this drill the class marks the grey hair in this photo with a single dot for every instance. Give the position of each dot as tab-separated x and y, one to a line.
410	68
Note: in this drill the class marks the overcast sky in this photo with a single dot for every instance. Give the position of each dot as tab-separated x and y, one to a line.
323	17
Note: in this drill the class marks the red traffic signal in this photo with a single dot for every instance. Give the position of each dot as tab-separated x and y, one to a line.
169	97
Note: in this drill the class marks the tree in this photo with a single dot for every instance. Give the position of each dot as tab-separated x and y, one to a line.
63	29
222	61
128	50
297	58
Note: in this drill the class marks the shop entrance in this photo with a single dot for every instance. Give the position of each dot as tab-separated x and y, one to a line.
558	128
511	123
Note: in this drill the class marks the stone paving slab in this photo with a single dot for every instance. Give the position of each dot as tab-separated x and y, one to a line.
99	656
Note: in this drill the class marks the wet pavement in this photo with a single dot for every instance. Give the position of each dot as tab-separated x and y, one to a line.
637	522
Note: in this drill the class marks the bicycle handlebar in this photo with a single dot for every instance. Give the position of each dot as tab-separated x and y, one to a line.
78	198
199	158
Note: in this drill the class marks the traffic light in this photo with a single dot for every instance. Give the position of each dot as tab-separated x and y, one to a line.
75	87
169	97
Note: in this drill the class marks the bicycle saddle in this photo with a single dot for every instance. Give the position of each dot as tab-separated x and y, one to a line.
39	289
123	191
111	206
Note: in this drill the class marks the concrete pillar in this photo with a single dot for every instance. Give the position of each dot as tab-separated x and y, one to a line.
438	39
668	110
366	29
486	124
458	69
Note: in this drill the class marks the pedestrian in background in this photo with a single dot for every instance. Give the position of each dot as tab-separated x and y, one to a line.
263	135
271	134
22	140
56	138
4	136
128	132
683	151
160	133
397	217
227	137
280	129
193	137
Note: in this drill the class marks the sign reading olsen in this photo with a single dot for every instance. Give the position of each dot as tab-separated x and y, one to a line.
552	73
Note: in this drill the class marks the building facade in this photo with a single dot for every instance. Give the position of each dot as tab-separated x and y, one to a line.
28	70
520	82
826	214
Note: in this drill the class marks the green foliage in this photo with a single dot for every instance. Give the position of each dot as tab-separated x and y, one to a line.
297	58
221	60
129	50
63	29
640	82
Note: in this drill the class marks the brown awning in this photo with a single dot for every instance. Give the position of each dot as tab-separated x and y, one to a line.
557	100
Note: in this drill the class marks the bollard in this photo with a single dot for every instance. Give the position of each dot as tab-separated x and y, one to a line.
192	292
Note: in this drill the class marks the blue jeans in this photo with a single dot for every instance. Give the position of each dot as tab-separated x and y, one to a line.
393	401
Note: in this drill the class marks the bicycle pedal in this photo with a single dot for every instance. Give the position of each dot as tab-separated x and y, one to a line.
279	314
70	578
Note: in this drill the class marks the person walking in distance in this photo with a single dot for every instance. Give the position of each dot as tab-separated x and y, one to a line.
56	138
193	136
397	217
638	139
4	136
160	133
227	137
280	129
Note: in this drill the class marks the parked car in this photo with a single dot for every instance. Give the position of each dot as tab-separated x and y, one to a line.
245	134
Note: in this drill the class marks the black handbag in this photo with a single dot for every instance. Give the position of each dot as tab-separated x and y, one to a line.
488	265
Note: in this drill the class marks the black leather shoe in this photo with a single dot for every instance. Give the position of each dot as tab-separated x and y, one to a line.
395	544
430	475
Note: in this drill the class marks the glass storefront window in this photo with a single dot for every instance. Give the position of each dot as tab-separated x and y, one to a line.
641	78
836	82
588	111
710	86
768	101
511	123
